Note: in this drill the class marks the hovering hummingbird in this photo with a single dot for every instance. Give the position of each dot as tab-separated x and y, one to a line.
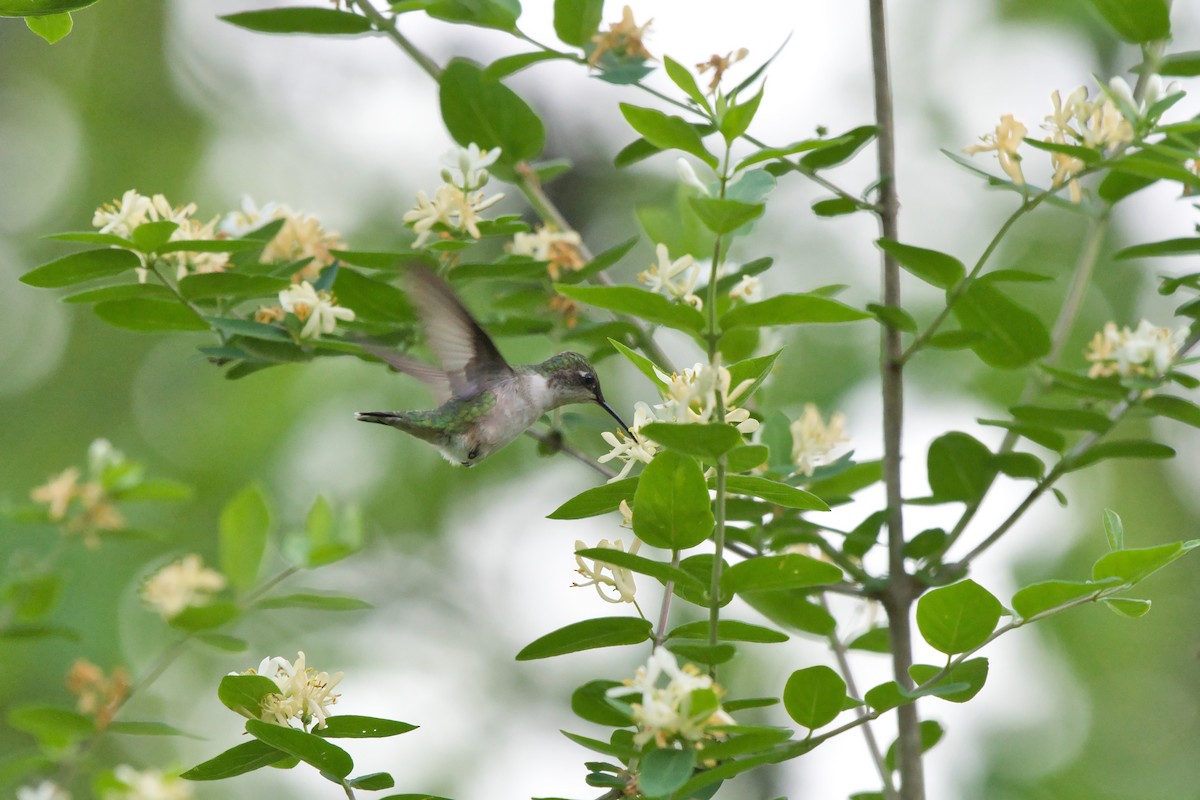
484	403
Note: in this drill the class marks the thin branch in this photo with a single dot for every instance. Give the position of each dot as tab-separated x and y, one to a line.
388	27
664	613
557	444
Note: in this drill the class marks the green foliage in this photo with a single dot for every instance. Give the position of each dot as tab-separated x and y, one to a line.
667	132
586	635
576	20
324	21
671	505
665	770
308	748
484	111
958	618
597	500
244	526
814	696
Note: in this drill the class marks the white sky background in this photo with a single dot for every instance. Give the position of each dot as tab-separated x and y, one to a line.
349	129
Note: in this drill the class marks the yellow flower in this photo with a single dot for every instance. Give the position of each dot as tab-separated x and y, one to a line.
1006	140
304	694
57	493
623	38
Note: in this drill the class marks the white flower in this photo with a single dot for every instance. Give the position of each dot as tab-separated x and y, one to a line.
318	310
748	288
46	790
467	207
1006	140
431	212
120	217
1149	350
631	451
539	245
692	397
181	585
665	712
150	784
304	693
101	456
683	169
813	440
1155	90
466	167
675	279
301	237
619	579
626	515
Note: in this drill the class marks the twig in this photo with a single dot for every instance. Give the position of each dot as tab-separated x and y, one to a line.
558	445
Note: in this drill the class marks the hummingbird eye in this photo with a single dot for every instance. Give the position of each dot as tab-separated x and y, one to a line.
588	379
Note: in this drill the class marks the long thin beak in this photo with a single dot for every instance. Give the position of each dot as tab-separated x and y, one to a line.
614	415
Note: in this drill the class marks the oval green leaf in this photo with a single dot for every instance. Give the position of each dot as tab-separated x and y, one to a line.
310	749
814	696
672	509
791	309
790	571
80	267
957	618
587	635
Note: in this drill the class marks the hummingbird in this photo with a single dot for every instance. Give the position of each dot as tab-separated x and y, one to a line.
483	402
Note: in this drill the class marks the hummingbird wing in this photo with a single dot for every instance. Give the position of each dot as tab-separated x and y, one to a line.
431	376
468	356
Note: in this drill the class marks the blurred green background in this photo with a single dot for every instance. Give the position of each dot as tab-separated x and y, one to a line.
461	566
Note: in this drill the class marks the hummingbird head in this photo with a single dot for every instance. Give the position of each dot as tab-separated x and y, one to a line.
573	379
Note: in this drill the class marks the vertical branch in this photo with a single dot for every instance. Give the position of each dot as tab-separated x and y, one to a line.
900	592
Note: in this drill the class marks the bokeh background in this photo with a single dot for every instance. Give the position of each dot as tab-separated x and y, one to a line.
461	566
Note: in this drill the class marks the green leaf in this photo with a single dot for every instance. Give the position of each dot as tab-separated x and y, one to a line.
642	565
1114	530
1128	606
300	20
308	748
587	635
1174	408
146	315
243	694
590	702
149	237
643	364
791	609
959	617
250	328
972	672
708	442
814	696
1125	448
653	308
1038	598
802	146
738	118
242	531
1012	336
1019	465
746	458
893	317
120	292
939	269
1134	565
488	113
1180	65
886	696
503	67
756	370
51	27
230	285
725	216
931	733
201	618
351	726
767	573
876	640
1169	247
576	21
373	782
1087	155
663	770
730	630
597	500
667	132
835	207
372	300
230	644
1071	419
601	262
246	757
54	728
80	267
499	14
960	468
671	506
791	309
682	78
322	602
839	149
1136	21
774	492
136	728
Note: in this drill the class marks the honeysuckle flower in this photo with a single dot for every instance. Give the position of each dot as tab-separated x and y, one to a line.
601	574
120	217
301	237
98	696
466	206
318	311
683	168
269	314
718	64
623	38
46	790
466	167
665	712
1147	351
304	694
675	279
631	451
1155	90
813	440
1005	141
430	212
559	248
57	493
748	288
626	515
181	585
150	784
692	397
